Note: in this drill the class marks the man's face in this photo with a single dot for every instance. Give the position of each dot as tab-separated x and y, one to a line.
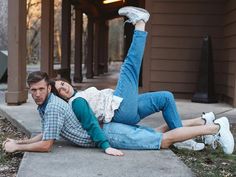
40	91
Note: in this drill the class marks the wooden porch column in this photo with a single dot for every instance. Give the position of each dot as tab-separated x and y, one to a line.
106	36
16	92
78	77
96	48
234	99
89	58
66	39
101	52
47	37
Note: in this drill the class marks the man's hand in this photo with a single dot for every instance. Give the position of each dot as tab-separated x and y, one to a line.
9	145
12	140
113	151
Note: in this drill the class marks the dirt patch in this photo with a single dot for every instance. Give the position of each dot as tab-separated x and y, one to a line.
209	162
9	163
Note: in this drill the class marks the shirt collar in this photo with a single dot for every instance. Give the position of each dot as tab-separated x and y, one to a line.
75	91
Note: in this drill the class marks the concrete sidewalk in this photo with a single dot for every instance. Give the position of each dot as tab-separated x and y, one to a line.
68	160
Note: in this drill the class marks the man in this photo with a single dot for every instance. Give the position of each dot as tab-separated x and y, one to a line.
57	120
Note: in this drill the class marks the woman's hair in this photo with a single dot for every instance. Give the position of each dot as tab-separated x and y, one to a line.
54	90
36	77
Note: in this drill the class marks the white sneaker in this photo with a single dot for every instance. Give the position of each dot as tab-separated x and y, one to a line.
224	136
209	119
134	14
190	145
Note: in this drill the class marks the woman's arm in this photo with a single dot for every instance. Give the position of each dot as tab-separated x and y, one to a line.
90	123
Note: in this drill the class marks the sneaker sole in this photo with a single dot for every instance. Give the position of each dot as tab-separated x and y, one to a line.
123	10
228	132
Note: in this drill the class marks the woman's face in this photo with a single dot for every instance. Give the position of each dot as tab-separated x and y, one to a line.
65	90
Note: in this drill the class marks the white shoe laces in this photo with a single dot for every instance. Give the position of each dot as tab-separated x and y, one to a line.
127	21
214	142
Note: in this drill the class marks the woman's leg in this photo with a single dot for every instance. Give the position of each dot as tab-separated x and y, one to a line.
127	86
149	103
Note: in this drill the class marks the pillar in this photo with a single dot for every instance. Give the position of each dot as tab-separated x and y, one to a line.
47	37
16	92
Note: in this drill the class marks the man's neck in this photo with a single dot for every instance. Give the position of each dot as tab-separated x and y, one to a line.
45	101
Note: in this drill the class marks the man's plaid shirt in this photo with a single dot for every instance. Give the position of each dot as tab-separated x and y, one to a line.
58	119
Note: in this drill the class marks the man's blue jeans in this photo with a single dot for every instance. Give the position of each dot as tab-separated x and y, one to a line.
124	136
135	106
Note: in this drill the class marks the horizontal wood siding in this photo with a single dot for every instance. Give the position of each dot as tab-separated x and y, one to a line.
175	41
226	67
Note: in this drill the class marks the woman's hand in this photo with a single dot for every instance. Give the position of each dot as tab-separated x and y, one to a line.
113	151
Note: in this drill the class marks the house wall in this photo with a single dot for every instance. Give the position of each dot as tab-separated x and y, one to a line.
176	30
226	65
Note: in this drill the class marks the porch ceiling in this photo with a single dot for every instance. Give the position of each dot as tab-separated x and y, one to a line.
98	9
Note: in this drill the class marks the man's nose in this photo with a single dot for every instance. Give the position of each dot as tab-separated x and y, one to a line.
37	93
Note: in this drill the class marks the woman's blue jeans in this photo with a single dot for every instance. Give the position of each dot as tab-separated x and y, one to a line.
135	106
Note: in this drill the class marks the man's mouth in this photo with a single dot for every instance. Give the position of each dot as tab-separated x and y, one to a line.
37	100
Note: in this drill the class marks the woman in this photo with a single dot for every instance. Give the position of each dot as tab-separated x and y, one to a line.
125	105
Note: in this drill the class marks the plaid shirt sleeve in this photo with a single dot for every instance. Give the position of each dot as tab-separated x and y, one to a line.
53	123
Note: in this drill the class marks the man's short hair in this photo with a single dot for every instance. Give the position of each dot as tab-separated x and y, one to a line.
36	77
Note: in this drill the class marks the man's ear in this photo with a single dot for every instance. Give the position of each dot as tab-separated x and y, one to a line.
49	88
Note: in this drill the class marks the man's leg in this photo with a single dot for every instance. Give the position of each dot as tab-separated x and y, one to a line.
206	118
132	137
184	133
220	129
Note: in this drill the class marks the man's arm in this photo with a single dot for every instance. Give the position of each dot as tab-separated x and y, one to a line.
38	146
28	141
33	144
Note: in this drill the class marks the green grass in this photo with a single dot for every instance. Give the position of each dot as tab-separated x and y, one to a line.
209	162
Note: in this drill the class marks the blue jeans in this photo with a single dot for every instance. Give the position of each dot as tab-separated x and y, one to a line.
135	106
137	137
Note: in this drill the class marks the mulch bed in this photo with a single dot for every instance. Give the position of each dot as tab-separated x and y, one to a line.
9	163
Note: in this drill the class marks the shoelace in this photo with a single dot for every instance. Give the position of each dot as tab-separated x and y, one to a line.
214	142
194	145
130	21
127	21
